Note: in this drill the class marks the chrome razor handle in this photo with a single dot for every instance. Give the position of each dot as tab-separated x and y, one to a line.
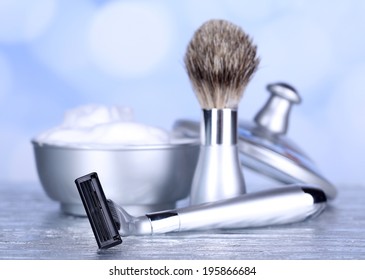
290	204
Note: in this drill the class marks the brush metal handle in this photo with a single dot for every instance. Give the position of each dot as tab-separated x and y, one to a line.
219	127
284	205
218	174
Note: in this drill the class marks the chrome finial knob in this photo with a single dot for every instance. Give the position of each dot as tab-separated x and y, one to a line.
274	115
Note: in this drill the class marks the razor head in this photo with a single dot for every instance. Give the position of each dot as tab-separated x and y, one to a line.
98	211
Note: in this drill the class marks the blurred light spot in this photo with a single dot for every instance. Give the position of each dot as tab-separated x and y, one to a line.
203	10
23	20
346	124
6	76
248	10
130	38
17	161
346	106
22	158
296	50
64	47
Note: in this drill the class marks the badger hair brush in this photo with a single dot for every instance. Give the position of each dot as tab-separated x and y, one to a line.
220	61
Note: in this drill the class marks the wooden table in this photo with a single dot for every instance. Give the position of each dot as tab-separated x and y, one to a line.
32	227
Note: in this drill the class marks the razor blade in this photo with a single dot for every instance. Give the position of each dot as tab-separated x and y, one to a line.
99	214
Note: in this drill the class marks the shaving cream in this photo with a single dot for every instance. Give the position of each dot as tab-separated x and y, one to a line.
99	125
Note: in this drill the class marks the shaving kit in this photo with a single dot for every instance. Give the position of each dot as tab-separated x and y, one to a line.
206	165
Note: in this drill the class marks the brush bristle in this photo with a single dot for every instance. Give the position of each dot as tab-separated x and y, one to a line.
220	61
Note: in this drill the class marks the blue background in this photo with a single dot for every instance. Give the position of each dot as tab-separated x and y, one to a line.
56	55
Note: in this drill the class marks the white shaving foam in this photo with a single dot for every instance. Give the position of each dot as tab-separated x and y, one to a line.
99	125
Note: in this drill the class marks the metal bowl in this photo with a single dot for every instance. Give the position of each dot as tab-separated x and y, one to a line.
140	178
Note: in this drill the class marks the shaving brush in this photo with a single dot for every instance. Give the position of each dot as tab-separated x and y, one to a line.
220	61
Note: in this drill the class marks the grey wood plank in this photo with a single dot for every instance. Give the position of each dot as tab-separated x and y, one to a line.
32	227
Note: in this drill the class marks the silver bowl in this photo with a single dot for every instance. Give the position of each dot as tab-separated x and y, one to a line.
140	178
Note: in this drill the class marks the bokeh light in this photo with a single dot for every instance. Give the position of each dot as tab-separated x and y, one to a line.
56	55
6	76
129	39
23	21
